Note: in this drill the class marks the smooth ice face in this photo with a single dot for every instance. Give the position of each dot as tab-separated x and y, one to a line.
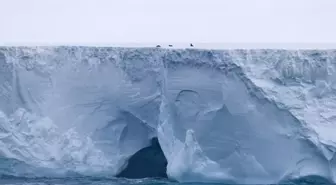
244	116
240	132
249	139
69	110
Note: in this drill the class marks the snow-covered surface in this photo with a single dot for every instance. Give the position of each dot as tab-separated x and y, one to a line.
186	45
245	116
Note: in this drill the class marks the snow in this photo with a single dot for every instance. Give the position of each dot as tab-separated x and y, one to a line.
244	116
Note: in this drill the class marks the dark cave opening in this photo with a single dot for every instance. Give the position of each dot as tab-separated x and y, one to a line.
148	162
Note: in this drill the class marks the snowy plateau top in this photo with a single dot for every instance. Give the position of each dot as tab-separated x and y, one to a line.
256	116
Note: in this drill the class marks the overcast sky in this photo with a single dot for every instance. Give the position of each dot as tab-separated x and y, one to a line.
150	21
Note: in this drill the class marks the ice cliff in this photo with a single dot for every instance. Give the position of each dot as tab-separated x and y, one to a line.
243	116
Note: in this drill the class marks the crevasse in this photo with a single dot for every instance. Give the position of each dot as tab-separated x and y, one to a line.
242	116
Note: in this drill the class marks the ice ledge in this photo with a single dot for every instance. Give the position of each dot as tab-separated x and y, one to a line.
176	45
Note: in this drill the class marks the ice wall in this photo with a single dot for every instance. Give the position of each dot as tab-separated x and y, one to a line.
244	116
76	110
230	127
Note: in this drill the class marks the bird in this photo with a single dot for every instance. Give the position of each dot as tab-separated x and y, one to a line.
158	46
170	45
191	45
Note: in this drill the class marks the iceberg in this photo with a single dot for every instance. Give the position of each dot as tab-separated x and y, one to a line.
237	116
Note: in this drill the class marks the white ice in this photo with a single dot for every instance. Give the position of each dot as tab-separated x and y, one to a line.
244	116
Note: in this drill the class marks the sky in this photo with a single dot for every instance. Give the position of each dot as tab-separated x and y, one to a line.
167	21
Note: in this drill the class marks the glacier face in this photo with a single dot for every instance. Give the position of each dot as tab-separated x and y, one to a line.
244	116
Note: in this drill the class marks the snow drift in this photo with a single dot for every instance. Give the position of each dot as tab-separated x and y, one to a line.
243	116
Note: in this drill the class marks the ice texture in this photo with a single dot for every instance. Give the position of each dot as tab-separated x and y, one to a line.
237	116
